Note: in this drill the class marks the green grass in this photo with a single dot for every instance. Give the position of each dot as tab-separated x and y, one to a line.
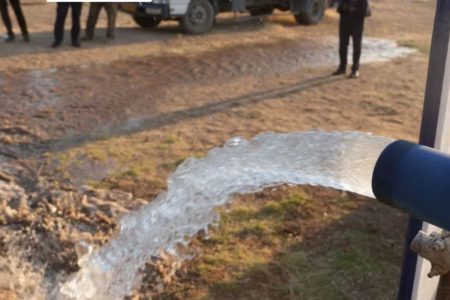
303	274
251	255
171	140
130	161
421	46
255	115
173	164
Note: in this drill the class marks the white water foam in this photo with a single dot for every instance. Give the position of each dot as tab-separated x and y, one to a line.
341	160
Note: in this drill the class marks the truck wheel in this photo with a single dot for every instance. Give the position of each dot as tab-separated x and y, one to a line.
261	11
147	22
199	17
312	12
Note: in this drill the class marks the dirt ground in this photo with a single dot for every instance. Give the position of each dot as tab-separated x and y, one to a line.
120	116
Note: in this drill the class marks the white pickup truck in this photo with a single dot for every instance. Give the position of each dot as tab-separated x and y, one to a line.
198	16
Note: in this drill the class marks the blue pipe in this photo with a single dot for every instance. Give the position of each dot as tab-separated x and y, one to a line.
416	180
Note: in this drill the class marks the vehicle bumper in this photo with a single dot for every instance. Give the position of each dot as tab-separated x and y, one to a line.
149	9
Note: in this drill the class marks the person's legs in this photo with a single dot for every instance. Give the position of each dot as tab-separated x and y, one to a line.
94	10
344	38
76	13
357	35
61	13
111	11
20	18
6	19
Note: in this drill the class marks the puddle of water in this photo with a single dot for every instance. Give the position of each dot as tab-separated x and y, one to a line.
378	50
373	50
285	57
41	84
84	170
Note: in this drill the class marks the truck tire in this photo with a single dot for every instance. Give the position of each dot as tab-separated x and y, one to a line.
199	17
312	12
147	22
261	11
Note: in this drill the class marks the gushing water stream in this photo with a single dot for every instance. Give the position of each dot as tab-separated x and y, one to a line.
341	160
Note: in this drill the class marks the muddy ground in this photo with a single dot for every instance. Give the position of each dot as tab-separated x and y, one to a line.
120	116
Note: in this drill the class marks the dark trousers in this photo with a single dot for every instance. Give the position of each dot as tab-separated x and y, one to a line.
61	13
19	15
94	11
350	26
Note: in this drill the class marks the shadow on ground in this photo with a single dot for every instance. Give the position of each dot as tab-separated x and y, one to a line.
41	41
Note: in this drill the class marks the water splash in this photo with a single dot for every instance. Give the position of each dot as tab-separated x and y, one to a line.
341	160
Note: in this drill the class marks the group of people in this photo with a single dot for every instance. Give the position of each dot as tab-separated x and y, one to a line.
351	24
62	9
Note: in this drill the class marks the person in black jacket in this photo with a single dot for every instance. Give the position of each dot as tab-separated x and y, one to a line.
61	13
20	19
351	24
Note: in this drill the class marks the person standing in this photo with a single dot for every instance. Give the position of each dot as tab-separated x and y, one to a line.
20	19
94	11
61	13
351	24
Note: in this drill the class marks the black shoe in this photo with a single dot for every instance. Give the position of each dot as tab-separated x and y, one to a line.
10	38
354	74
109	40
26	38
76	44
338	72
56	44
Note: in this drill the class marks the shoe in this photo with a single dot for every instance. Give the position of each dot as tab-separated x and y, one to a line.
338	72
109	39
354	74
76	44
56	45
10	39
26	38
